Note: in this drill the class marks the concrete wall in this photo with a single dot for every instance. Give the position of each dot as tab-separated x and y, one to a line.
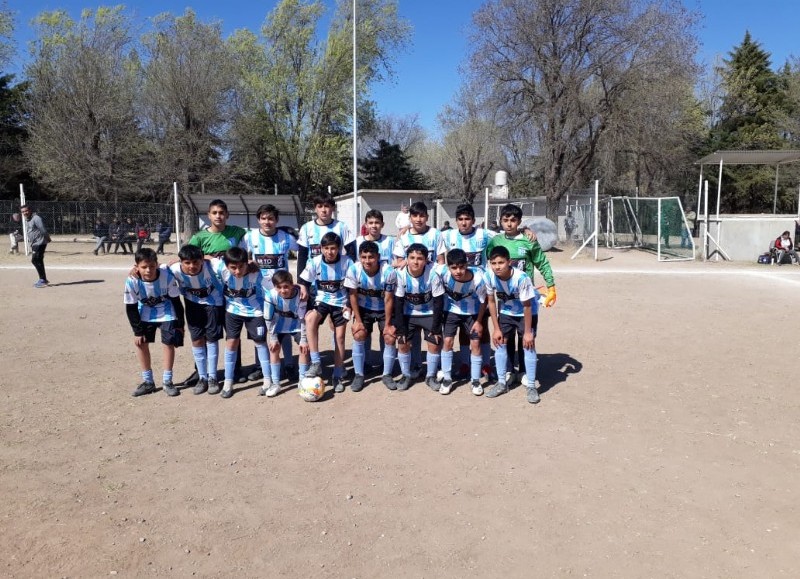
745	237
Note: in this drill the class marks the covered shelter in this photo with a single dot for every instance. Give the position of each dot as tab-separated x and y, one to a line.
242	208
720	159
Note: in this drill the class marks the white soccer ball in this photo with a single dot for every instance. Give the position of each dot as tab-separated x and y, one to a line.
311	389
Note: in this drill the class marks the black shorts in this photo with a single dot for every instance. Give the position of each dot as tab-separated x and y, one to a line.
370	317
415	324
205	321
256	327
336	313
170	336
510	325
453	321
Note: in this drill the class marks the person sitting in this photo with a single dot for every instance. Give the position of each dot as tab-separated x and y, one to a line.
784	245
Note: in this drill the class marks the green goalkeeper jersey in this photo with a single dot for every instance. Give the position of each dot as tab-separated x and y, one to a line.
525	255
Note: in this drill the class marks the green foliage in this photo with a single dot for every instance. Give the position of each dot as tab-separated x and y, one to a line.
389	168
13	169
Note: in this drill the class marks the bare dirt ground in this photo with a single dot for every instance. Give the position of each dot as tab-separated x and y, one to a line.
666	444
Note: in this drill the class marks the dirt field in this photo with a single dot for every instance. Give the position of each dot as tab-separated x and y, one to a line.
667	444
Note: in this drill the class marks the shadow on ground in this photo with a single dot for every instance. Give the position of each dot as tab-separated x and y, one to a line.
553	369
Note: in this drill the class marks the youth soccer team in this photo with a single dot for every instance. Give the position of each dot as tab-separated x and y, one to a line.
425	285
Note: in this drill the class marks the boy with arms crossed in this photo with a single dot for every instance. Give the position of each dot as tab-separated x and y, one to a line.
244	306
325	274
417	304
152	300
518	315
465	309
284	312
205	313
368	283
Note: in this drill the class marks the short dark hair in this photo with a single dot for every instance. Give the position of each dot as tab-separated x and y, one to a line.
331	238
369	247
145	254
324	199
268	208
511	210
218	203
465	209
374	214
189	251
417	248
235	255
418	208
456	256
499	251
282	276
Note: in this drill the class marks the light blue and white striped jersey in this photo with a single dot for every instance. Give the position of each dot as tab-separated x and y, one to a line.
152	297
474	244
432	239
328	279
370	288
512	292
271	253
285	315
419	291
244	296
204	288
463	297
311	233
385	247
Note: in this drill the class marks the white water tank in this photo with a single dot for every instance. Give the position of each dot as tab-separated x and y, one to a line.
500	185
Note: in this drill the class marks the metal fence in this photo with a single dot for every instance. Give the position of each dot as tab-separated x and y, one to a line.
78	217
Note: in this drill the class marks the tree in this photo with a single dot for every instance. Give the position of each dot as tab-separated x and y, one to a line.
84	140
188	81
389	168
565	67
294	100
13	169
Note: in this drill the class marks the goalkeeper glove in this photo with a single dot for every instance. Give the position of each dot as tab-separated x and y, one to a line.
550	300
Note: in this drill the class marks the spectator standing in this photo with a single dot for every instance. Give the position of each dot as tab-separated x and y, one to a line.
129	233
403	220
100	233
38	238
569	226
142	234
164	233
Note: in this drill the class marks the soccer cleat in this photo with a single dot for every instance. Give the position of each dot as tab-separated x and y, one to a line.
255	375
358	383
404	383
477	389
314	370
272	390
201	386
213	386
338	385
227	393
170	389
41	283
144	388
497	390
389	382
432	383
533	396
446	387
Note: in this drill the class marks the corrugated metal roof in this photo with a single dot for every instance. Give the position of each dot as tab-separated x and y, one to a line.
246	204
750	158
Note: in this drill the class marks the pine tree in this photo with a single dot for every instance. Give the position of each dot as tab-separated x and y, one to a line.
389	168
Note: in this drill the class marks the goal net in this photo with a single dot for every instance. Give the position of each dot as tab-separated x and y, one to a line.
656	224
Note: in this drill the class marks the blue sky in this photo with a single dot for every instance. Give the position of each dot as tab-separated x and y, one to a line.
427	74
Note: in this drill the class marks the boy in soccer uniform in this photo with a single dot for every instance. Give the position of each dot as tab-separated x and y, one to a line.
420	232
244	306
465	308
284	312
368	282
205	312
325	274
152	301
269	248
374	223
526	255
417	304
311	233
518	315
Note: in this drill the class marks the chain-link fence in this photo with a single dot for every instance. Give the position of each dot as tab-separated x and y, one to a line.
78	217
